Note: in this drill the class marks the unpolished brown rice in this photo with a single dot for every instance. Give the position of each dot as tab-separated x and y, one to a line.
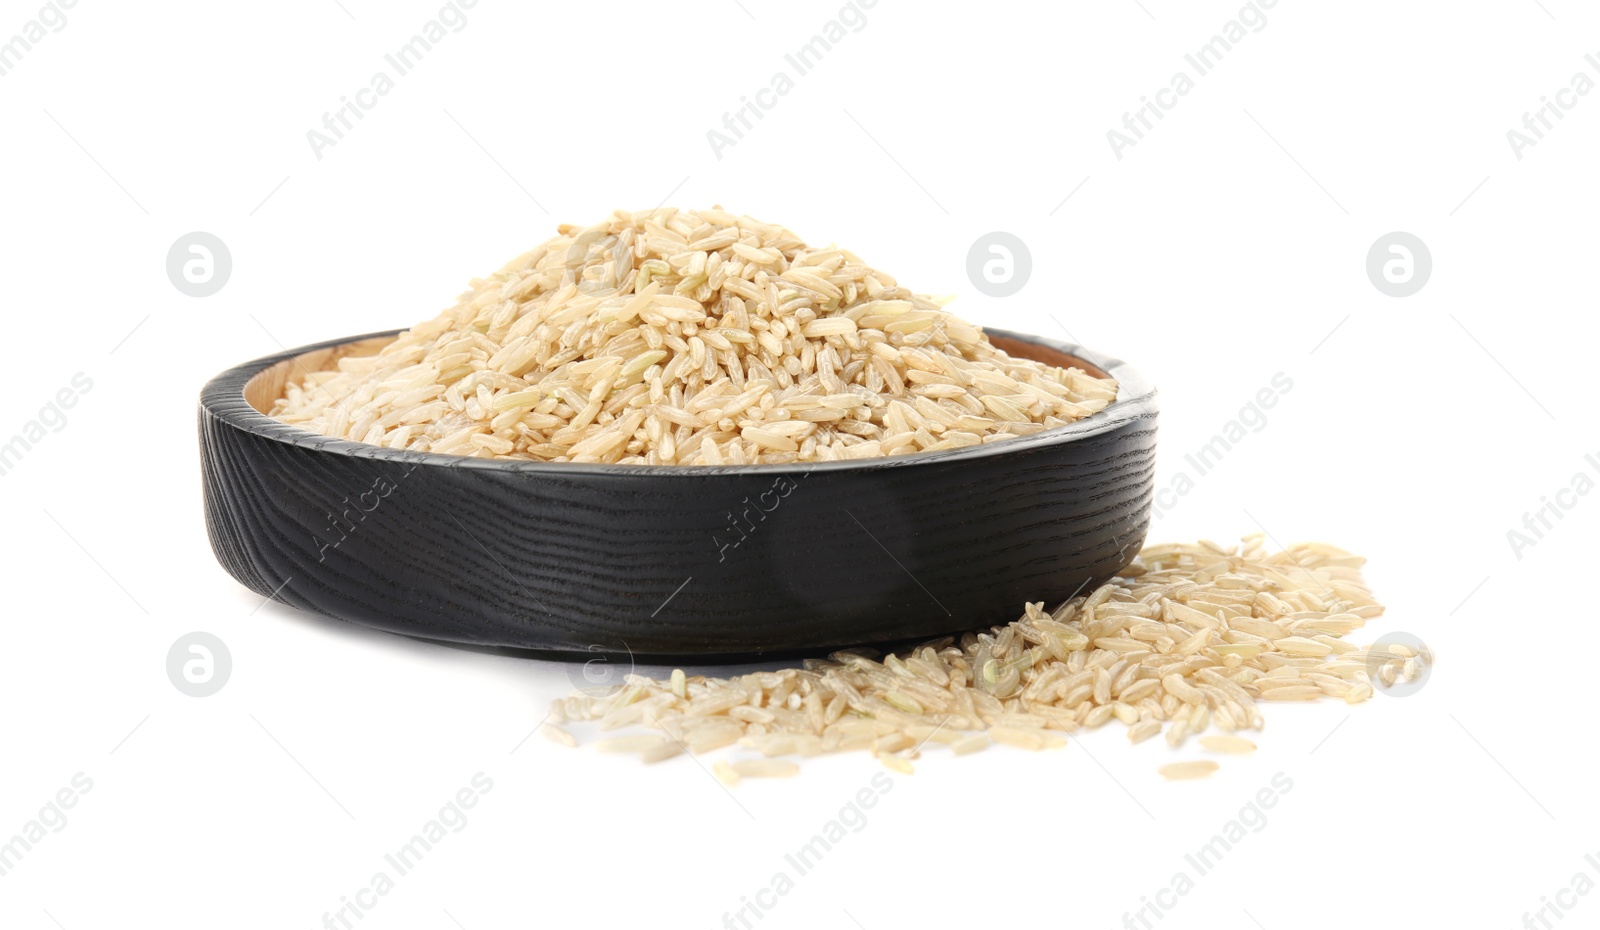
1224	742
1194	768
896	763
559	735
674	337
766	768
1190	638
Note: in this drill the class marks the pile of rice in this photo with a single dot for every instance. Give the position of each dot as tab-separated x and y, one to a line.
1191	638
675	337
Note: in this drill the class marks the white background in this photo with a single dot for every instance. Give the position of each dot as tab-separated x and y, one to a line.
1227	246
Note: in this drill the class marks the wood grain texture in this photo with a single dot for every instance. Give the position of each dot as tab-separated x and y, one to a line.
667	560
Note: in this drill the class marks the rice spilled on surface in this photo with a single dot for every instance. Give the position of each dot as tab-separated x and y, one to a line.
691	338
1191	638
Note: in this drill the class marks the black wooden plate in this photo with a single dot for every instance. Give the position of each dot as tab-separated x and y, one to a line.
671	560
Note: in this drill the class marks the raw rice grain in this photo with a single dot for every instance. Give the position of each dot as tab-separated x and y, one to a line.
1195	768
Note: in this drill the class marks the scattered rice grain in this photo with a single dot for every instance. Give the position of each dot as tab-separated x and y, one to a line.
1195	768
1190	639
